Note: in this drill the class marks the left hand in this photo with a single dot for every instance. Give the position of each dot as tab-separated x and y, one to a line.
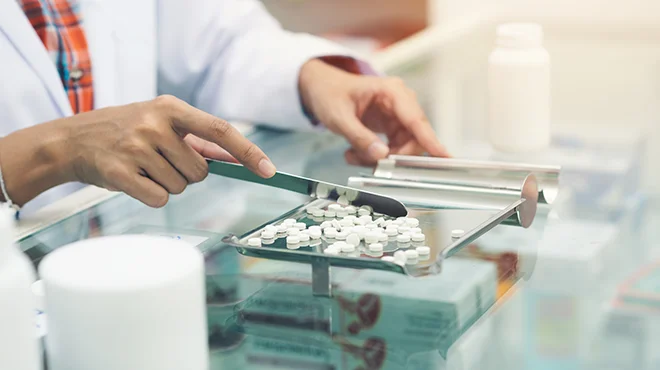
358	107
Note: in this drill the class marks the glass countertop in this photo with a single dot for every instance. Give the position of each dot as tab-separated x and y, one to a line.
575	291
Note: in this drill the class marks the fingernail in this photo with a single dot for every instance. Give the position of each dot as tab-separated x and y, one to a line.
266	168
378	150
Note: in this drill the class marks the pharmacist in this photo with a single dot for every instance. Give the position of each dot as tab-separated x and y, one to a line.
80	81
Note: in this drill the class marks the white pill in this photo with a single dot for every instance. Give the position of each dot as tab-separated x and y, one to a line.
411	254
271	228
371	237
386	223
353	239
336	224
403	238
300	225
303	237
325	224
317	227
343	200
401	219
292	239
290	222
342	235
329	213
346	223
382	238
375	247
387	259
318	212
330	232
331	251
348	248
282	228
403	229
267	241
350	218
359	222
390	231
254	242
348	229
292	231
423	251
457	234
334	207
412	222
310	210
398	222
315	233
367	218
351	210
400	257
371	226
341	191
360	230
379	221
363	212
367	208
267	234
415	230
418	237
341	213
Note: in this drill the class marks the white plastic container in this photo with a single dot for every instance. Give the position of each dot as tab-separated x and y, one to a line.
126	302
19	346
519	89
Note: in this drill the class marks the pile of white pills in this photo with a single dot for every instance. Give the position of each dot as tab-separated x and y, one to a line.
351	231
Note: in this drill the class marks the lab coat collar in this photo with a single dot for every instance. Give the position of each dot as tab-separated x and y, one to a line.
18	30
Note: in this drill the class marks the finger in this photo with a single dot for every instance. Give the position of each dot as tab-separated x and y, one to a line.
411	115
412	147
189	120
137	186
356	158
361	138
184	158
209	150
161	171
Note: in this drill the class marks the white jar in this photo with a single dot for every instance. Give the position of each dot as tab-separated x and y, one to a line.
519	89
19	346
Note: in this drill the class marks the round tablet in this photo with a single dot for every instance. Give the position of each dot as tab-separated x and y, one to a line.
267	234
363	212
331	251
348	248
371	237
271	228
359	222
353	239
326	224
371	226
342	235
315	233
292	231
330	232
317	227
300	225
346	223
403	238
423	251
379	221
329	213
418	237
282	228
318	212
351	210
254	242
366	218
382	238
400	257
411	254
387	259
341	213
386	223
457	233
303	237
289	221
412	222
292	239
403	229
360	230
343	200
391	231
415	230
334	207
310	210
336	224
375	247
350	218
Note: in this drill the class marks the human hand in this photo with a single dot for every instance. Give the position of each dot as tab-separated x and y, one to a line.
152	149
358	107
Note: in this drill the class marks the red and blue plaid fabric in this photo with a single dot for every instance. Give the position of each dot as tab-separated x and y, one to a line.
58	26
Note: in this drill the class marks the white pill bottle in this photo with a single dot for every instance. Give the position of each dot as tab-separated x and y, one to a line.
519	89
19	346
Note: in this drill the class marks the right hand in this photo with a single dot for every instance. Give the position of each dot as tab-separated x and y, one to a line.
152	149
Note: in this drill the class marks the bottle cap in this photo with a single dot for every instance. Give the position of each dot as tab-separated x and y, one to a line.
520	35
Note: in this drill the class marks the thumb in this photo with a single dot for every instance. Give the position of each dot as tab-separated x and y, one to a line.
364	141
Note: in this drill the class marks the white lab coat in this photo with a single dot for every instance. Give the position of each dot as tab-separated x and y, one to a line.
228	57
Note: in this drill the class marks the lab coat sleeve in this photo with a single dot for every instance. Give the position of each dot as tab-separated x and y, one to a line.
233	59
